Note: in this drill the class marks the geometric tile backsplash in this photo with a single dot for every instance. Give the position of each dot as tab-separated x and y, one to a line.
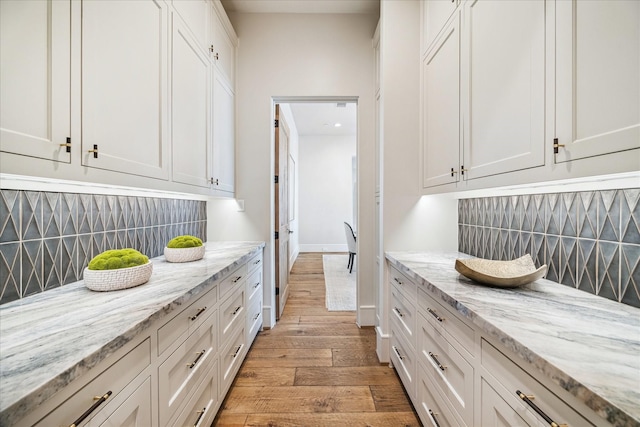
48	238
589	240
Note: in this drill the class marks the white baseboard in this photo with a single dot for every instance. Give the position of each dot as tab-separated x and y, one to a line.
266	317
293	257
366	315
382	346
324	248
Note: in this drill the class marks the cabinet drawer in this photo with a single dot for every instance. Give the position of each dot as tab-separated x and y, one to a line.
447	323
255	262
231	359
183	369
114	379
201	408
233	280
134	408
431	407
496	411
176	330
254	285
450	371
254	319
507	378
402	282
232	312
404	360
404	313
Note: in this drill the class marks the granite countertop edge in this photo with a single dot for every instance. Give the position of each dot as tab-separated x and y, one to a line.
609	409
220	259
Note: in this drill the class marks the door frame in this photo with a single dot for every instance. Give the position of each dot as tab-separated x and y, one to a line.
316	100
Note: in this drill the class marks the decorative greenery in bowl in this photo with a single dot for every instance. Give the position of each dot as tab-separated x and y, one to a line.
184	249
116	269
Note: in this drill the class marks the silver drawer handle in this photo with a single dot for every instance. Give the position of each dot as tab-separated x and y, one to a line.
434	357
256	316
237	279
434	314
200	415
395	279
256	262
528	401
236	310
256	285
401	357
237	351
195	362
398	311
200	311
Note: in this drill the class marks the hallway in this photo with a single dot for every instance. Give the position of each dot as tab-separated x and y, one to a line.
315	368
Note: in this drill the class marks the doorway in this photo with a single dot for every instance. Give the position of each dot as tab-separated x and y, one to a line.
315	185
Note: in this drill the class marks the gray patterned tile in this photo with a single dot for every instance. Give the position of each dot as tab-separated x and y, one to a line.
51	217
608	267
121	239
131	212
630	274
496	212
481	242
552	257
141	217
586	269
151	213
512	250
69	259
568	261
84	253
472	238
495	248
97	213
538	249
31	222
111	212
203	212
69	214
609	216
84	213
463	239
52	263
486	211
538	208
588	215
31	278
527	212
9	272
110	240
553	214
569	215
525	243
97	244
123	213
9	215
630	215
462	214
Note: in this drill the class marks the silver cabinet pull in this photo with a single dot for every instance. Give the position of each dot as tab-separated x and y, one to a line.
434	314
236	310
433	417
398	311
195	362
434	357
200	311
401	357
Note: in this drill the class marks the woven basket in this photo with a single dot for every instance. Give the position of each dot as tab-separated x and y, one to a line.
184	254
122	278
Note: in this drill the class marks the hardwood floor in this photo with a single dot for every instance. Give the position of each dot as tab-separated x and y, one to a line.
315	368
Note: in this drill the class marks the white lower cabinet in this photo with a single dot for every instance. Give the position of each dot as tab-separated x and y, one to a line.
177	372
456	375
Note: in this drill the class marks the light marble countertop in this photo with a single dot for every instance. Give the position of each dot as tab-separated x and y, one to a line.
49	339
588	345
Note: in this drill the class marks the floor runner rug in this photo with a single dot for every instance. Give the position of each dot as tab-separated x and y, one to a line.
340	285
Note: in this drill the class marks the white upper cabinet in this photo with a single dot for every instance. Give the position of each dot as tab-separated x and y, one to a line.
598	78
124	87
503	86
35	91
195	13
223	172
223	45
190	108
435	14
441	108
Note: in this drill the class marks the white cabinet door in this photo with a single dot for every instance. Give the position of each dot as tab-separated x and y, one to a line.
598	77
505	63
124	86
435	14
223	135
223	48
195	13
441	109
35	91
495	412
190	109
135	410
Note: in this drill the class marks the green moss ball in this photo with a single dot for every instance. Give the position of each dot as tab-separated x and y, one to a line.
184	242
117	258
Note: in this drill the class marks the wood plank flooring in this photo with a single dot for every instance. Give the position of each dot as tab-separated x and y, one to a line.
315	368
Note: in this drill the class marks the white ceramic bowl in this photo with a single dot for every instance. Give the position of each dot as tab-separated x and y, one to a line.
184	254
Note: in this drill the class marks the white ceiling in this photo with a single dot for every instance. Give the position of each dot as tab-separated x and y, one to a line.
320	118
302	6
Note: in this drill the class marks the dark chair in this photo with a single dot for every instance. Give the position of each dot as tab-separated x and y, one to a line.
351	244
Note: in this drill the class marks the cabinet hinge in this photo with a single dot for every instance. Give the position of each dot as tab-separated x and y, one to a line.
276	123
67	145
556	145
277	236
276	179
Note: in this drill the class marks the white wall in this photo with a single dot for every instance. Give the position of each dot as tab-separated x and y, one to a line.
325	192
297	55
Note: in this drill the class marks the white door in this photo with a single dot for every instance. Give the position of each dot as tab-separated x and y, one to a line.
504	76
441	109
281	211
190	108
597	77
35	91
223	171
124	86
